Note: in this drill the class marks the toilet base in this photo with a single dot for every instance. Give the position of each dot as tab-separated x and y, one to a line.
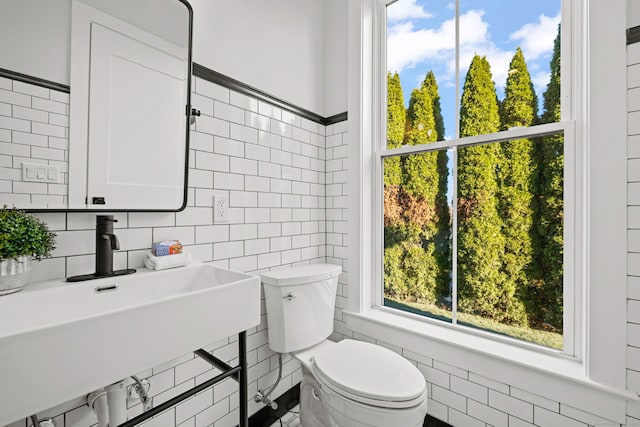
312	411
321	407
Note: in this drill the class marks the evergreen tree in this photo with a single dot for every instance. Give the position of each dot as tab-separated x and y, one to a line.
481	244
420	170
431	86
396	122
396	119
516	186
418	195
443	217
546	293
412	268
408	268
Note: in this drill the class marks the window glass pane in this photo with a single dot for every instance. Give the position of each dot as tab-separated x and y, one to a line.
499	40
421	57
507	58
503	73
417	233
509	239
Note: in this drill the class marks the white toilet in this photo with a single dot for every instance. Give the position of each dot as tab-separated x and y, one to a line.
345	384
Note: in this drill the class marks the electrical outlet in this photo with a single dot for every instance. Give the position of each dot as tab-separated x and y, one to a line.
220	209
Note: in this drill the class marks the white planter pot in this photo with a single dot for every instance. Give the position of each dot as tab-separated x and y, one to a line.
15	274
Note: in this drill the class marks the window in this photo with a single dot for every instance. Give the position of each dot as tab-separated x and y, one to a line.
593	125
473	201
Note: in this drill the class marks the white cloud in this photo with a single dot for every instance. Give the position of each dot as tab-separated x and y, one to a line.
406	9
536	39
498	59
473	28
475	39
540	81
407	46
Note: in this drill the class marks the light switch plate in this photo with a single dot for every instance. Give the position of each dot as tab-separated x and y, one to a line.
36	172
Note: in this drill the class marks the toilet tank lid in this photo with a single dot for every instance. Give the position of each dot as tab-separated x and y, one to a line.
301	274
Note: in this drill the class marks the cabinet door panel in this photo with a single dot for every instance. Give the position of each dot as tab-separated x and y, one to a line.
125	70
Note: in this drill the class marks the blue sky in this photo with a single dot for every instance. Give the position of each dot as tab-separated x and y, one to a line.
421	37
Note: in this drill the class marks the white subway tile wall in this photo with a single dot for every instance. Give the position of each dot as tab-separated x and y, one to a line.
633	227
270	164
34	129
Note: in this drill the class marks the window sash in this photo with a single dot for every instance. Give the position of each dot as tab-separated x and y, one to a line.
559	128
573	191
536	131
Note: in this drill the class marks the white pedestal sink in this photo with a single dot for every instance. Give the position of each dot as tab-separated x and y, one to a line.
59	341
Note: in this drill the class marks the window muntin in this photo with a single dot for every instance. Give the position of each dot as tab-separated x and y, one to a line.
428	234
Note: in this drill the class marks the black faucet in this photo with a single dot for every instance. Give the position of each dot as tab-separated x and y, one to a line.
106	243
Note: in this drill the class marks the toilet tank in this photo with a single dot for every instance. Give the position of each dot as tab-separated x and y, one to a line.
300	305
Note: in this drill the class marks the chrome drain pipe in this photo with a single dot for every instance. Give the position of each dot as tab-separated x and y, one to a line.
98	402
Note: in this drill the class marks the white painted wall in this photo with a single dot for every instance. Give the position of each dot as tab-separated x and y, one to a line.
29	26
167	19
292	49
276	45
335	53
633	13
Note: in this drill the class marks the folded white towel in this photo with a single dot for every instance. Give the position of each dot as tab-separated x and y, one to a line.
167	261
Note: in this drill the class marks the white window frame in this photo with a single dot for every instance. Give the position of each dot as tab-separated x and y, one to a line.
593	377
566	126
572	315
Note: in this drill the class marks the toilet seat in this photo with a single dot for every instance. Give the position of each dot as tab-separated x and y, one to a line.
370	374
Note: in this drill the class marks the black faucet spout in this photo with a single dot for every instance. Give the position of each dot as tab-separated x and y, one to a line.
105	242
113	241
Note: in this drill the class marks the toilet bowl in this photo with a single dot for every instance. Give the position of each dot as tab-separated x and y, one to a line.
355	383
348	383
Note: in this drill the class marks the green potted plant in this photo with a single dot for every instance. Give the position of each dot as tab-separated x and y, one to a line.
22	237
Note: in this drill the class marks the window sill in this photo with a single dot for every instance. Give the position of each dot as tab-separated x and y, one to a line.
549	374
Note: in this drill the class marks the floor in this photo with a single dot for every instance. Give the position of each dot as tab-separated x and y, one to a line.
290	419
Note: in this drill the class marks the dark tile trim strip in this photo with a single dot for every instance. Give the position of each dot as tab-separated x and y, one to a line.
267	416
34	80
430	421
336	118
238	86
633	35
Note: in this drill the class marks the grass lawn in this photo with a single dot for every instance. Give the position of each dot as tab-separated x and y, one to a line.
544	338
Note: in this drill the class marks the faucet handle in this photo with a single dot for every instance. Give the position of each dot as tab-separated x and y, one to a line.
105	219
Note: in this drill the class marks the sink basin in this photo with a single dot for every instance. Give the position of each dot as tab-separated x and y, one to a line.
59	341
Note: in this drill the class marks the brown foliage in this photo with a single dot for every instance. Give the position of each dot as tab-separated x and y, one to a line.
399	206
392	206
466	208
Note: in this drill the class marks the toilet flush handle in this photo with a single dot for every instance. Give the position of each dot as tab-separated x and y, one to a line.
289	296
